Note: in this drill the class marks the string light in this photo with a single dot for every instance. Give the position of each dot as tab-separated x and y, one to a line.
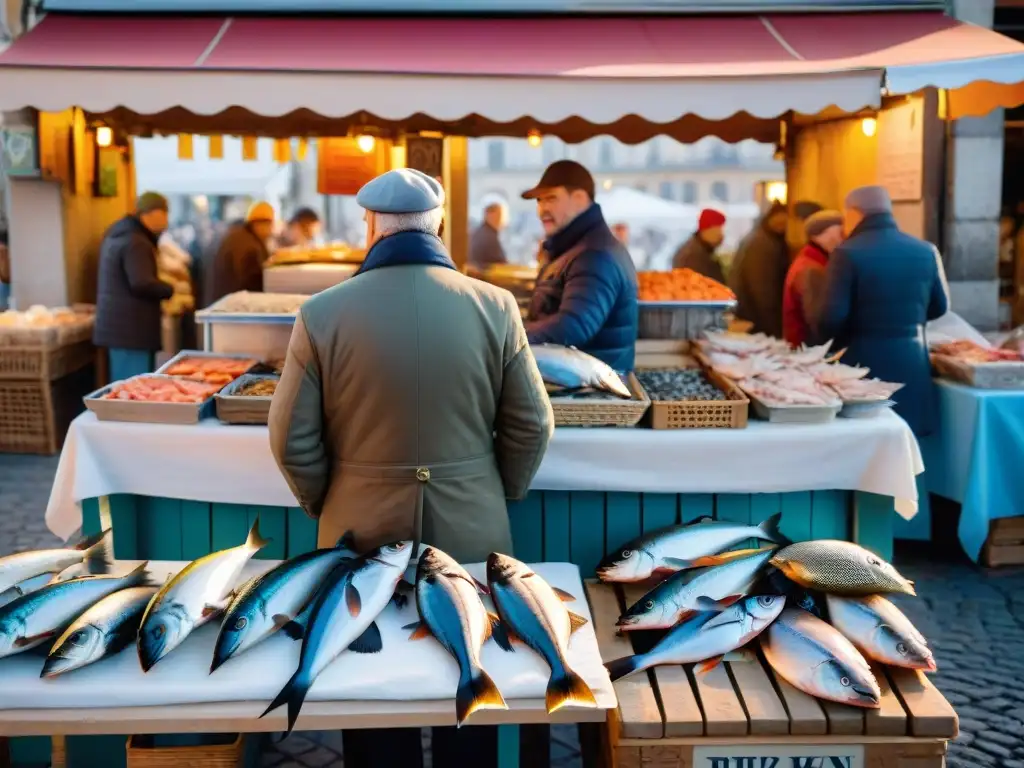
366	143
104	136
869	126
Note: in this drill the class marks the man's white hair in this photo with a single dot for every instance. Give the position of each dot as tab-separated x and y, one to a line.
392	223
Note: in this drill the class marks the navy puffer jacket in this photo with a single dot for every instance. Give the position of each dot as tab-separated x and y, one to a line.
586	297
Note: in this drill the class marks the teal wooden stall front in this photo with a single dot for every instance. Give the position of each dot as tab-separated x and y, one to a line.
554	526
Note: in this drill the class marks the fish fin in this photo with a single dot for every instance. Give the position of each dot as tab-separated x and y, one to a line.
290	627
254	540
476	691
499	632
567	688
210	610
709	604
368	642
795	572
419	629
770	530
707	665
293	694
564	596
620	668
96	551
722	557
677	563
28	642
576	621
740	656
139	575
482	588
353	600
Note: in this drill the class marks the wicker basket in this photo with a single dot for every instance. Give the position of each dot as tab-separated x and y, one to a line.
703	414
244	409
229	754
35	415
681	320
604	412
44	363
1003	375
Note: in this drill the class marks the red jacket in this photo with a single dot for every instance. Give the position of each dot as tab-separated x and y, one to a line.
801	292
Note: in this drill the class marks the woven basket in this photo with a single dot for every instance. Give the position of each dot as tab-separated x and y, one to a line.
227	755
35	415
604	412
45	363
703	414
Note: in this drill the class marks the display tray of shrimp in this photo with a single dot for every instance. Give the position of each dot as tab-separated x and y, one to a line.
154	398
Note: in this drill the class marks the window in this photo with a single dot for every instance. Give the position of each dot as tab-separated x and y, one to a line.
552	150
606	153
690	192
744	193
720	191
654	154
667	190
724	154
496	155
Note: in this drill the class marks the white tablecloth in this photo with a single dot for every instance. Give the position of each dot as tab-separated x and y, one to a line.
231	464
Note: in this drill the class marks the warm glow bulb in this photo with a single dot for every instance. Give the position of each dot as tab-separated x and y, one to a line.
104	136
366	143
775	192
607	184
533	138
869	126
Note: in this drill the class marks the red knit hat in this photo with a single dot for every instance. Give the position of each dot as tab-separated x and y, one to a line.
709	218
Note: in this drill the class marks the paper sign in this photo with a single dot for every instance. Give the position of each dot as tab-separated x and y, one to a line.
779	756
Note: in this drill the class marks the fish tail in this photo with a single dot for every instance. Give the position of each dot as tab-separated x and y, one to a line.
96	554
254	540
139	575
476	691
293	694
627	665
566	687
770	530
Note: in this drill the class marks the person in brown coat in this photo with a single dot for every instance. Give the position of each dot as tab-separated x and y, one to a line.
698	253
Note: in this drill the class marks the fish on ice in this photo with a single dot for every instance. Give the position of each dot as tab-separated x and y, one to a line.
569	369
840	568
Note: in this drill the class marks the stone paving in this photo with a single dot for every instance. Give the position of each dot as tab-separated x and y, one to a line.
974	620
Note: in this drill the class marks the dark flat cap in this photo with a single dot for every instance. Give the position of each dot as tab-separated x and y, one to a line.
563	173
151	201
402	190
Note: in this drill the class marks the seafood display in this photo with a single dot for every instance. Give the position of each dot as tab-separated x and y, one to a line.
18	568
259	388
566	369
246	302
970	352
880	631
681	285
679	384
839	568
161	389
213	370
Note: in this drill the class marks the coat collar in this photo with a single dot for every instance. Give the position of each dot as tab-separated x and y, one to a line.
815	253
565	238
404	248
702	243
876	221
135	220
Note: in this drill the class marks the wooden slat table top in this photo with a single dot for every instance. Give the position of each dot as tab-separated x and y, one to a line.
929	712
806	717
890	719
765	710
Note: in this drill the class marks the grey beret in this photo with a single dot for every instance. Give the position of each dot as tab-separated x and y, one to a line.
870	200
818	222
402	190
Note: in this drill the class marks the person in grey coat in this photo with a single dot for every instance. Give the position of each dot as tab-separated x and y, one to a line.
485	246
758	273
698	253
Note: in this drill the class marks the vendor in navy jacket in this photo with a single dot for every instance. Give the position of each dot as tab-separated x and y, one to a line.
586	294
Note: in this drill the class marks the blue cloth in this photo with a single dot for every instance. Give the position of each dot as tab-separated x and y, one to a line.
5	295
125	363
406	248
586	297
975	457
881	287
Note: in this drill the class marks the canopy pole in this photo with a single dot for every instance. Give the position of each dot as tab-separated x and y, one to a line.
456	185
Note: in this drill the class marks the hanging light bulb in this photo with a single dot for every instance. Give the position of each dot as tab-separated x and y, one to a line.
534	139
104	136
869	126
366	143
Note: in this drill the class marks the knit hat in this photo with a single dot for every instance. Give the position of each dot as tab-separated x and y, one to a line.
709	218
818	222
869	200
260	211
151	201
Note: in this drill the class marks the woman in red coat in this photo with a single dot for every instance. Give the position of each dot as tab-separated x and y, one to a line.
803	289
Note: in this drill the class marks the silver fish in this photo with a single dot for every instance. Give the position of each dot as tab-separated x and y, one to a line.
679	547
105	629
678	596
343	615
707	637
533	611
42	615
22	566
568	368
813	656
196	594
881	631
448	599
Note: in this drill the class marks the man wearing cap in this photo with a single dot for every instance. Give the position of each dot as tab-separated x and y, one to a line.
586	295
758	272
698	253
823	232
128	291
881	287
237	264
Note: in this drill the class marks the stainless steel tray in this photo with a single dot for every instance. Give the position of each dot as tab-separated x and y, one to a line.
724	304
794	414
204	316
864	409
187	353
147	413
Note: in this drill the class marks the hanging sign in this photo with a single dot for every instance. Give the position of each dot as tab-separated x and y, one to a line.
343	168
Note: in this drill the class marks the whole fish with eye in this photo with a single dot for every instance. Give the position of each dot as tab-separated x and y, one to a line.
839	568
105	629
569	370
23	566
709	637
282	591
678	547
448	599
881	631
195	595
814	657
534	612
682	593
343	615
42	615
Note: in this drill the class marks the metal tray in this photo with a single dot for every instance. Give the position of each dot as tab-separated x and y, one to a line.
794	414
865	409
147	413
216	314
722	304
244	409
187	353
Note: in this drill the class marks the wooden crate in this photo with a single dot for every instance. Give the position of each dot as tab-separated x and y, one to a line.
669	718
35	415
1005	545
186	751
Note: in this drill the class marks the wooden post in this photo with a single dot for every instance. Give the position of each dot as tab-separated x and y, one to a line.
456	184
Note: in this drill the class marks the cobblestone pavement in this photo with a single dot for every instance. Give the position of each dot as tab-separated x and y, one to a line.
974	620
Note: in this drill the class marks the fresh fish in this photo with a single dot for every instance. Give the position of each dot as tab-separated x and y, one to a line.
26	565
343	615
708	637
534	612
679	547
796	596
105	629
881	631
42	615
839	568
813	656
448	599
281	592
678	596
568	368
196	594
